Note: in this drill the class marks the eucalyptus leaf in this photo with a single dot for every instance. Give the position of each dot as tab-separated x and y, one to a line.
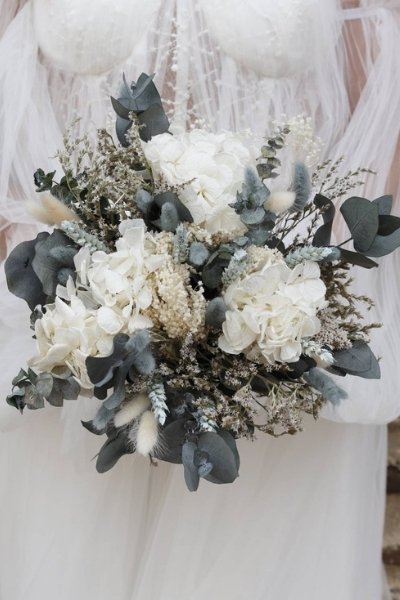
355	258
173	438
221	456
70	388
253	216
122	107
258	235
44	384
16	399
361	217
122	127
357	360
118	394
323	234
111	452
145	92
22	280
89	425
388	224
52	254
204	470
138	342
43	181
190	470
384	244
172	198
384	204
230	440
154	121
32	398
100	369
55	397
102	418
144	201
22	376
216	312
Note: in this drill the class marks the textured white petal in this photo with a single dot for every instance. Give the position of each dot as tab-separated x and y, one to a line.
109	321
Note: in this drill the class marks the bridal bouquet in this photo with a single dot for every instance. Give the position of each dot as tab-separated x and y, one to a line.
178	289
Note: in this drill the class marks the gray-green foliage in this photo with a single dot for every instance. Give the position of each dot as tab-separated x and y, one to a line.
374	231
313	253
144	201
301	185
131	356
169	218
81	237
250	201
198	254
237	266
32	268
325	385
268	160
214	458
358	360
181	246
215	312
31	389
158	399
141	100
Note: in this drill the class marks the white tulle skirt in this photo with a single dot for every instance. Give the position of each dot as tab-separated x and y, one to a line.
301	522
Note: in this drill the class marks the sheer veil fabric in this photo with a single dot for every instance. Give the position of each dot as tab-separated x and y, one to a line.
304	520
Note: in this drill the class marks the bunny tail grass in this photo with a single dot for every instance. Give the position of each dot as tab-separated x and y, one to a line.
131	410
47	209
147	433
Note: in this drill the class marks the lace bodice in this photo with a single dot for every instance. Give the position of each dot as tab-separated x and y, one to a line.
276	38
88	37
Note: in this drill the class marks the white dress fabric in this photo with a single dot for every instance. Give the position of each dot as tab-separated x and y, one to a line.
304	520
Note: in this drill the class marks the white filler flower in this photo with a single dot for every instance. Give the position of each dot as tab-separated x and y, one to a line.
272	310
213	167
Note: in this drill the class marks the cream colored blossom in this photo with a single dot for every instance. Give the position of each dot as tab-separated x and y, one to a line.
272	310
177	308
212	166
67	334
112	295
118	281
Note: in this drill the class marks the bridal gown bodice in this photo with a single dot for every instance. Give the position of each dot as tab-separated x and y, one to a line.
92	38
304	520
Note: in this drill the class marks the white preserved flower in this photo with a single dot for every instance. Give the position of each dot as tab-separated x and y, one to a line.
111	294
213	167
118	281
67	334
272	310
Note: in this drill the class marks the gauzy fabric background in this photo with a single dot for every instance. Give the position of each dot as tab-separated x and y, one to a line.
304	520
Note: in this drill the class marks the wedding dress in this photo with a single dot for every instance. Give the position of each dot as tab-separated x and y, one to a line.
304	520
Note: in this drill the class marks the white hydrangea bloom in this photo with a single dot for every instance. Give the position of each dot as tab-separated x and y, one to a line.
67	334
118	281
214	166
111	294
272	310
